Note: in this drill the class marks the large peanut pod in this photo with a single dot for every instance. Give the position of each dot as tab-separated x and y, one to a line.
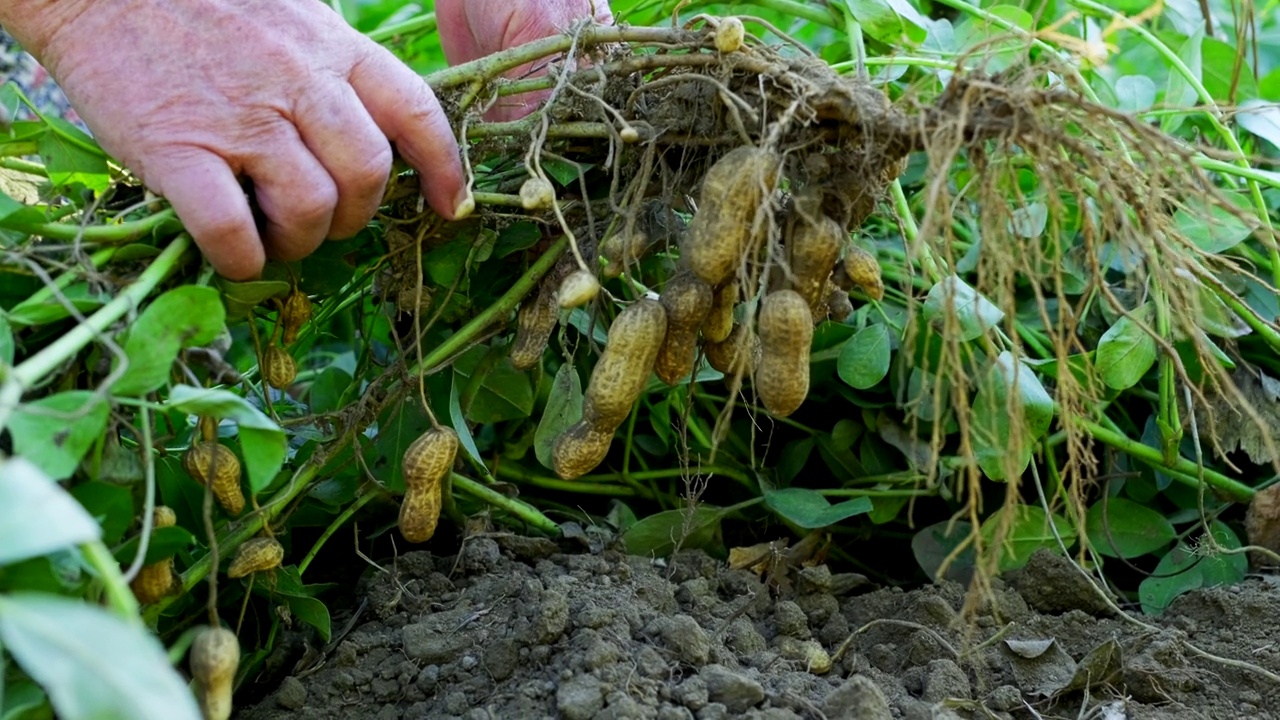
257	554
213	464
732	191
579	449
687	301
719	322
624	367
215	655
155	581
425	464
812	249
786	332
534	323
295	314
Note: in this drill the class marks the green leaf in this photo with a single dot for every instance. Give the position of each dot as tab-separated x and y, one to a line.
1221	79
1124	529
810	510
889	21
300	599
864	358
1125	351
110	505
1178	92
7	345
71	157
262	442
516	237
1136	93
1029	530
459	421
165	543
42	312
952	297
55	432
1212	228
933	545
445	263
503	393
660	534
24	700
1028	221
93	664
994	47
564	408
1184	569
1261	118
242	297
397	429
184	317
39	516
1011	411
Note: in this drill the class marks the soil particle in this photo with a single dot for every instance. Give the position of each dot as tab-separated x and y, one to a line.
1050	583
509	630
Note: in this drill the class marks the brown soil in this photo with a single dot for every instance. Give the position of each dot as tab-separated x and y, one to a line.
519	628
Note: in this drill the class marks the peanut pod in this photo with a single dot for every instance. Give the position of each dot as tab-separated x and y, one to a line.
786	332
863	272
719	322
624	367
215	655
534	323
739	351
579	449
295	314
425	464
722	230
155	581
278	367
256	555
577	289
812	249
214	465
687	300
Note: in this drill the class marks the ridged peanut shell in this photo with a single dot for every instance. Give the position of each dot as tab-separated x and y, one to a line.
863	271
623	249
154	582
295	314
429	458
741	346
214	465
786	332
624	367
687	301
732	192
580	449
278	367
719	321
420	513
215	656
257	554
534	323
813	249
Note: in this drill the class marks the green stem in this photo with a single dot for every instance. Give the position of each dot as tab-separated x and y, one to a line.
19	149
34	368
361	500
420	24
1153	457
45	293
524	511
124	232
22	166
119	597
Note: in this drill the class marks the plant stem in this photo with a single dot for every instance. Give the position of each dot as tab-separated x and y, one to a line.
124	232
119	597
45	293
524	511
1151	456
420	24
361	500
23	166
34	368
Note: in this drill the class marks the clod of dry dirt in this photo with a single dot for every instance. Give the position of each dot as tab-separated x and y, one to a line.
513	629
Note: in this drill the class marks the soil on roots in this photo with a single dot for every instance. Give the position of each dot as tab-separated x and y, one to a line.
519	628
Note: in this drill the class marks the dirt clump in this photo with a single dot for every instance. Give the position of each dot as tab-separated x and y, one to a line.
515	629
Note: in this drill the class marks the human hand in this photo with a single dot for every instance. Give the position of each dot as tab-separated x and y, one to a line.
191	96
471	29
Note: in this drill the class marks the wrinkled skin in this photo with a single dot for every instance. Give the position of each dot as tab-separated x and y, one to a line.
194	96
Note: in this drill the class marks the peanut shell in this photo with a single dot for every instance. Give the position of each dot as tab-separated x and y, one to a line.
786	332
624	367
687	301
214	465
580	449
534	323
725	225
215	656
256	555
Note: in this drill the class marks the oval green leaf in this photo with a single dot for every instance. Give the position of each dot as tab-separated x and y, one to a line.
864	358
810	510
1122	528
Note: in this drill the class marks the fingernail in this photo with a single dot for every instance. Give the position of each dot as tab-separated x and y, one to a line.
465	206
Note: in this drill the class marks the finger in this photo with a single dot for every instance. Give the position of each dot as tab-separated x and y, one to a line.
338	131
207	197
404	107
294	192
457	37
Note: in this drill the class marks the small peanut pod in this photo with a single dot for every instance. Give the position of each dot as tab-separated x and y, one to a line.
813	248
730	35
729	355
623	249
719	322
732	192
579	449
257	554
215	656
863	272
687	301
537	193
425	464
155	581
624	367
215	466
577	289
836	304
278	367
786	332
295	314
534	323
